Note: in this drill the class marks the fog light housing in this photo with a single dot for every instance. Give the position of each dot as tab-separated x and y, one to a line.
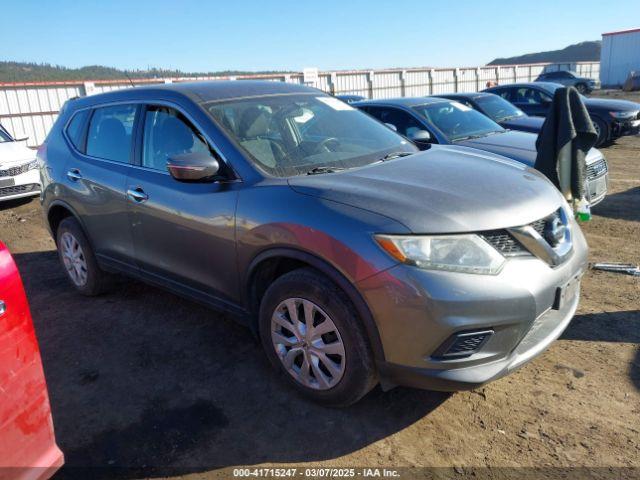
462	344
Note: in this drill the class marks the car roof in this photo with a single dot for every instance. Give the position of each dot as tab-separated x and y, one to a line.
207	91
406	102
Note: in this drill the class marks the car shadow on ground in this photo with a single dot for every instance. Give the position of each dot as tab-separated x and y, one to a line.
18	202
609	327
145	384
616	205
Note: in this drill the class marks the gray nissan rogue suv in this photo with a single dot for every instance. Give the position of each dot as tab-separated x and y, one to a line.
354	257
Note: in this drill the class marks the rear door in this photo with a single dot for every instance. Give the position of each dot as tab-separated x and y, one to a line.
184	233
96	173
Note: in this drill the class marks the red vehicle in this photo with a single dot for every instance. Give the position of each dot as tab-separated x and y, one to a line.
28	449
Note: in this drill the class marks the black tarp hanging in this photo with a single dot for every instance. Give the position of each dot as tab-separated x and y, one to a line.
566	136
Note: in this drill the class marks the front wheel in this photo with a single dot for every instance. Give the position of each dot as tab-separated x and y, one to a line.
602	130
312	334
582	88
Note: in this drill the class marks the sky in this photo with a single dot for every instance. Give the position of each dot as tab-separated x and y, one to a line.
258	35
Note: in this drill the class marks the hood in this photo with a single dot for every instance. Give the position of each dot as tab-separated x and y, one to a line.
525	123
614	105
518	146
445	189
14	153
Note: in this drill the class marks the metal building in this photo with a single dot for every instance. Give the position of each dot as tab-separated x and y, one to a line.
620	55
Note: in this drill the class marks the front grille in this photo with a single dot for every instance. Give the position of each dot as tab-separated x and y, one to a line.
507	245
597	169
18	189
502	241
13	171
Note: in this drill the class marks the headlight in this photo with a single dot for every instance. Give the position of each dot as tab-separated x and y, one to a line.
456	253
32	165
623	115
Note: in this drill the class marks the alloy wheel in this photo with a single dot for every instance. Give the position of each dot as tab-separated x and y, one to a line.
596	128
308	343
74	259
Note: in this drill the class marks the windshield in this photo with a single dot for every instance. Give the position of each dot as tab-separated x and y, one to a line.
458	122
289	135
497	108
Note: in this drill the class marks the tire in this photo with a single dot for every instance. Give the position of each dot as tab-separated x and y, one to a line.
582	88
78	260
602	130
341	341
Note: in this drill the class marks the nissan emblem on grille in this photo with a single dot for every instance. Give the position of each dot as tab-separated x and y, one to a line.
554	231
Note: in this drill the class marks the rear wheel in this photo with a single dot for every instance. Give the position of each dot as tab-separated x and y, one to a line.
602	130
78	259
312	334
582	88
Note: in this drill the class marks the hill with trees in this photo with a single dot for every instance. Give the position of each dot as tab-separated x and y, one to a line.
579	52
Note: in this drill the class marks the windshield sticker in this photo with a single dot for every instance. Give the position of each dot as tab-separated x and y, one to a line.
335	103
460	106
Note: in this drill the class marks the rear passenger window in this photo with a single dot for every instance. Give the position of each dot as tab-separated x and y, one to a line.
75	129
110	133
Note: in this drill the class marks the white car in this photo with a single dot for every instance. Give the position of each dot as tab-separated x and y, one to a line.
19	175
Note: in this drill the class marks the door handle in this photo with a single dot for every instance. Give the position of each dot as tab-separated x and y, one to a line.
74	175
3	308
137	195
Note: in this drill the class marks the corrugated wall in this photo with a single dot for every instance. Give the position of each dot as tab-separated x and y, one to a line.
31	109
620	54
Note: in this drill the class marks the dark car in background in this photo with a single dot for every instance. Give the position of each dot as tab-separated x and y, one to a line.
428	120
499	110
569	78
335	239
611	118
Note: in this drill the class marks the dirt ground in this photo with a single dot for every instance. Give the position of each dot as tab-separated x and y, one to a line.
146	384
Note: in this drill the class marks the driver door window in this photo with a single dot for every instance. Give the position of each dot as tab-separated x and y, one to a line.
531	96
404	122
166	133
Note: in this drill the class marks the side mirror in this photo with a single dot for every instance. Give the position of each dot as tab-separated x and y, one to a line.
420	136
392	126
193	167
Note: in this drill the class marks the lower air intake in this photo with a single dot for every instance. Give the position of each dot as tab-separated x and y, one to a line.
462	344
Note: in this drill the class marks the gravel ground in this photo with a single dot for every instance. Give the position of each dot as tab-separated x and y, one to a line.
146	384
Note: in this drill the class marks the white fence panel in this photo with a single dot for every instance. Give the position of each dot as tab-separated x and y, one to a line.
31	108
417	83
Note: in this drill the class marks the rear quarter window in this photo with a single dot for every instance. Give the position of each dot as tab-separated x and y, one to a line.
76	129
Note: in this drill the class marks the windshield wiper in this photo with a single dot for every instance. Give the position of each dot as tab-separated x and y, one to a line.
324	169
480	135
392	155
469	137
510	117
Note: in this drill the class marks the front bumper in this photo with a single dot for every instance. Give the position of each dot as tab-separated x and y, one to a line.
416	311
25	184
621	128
